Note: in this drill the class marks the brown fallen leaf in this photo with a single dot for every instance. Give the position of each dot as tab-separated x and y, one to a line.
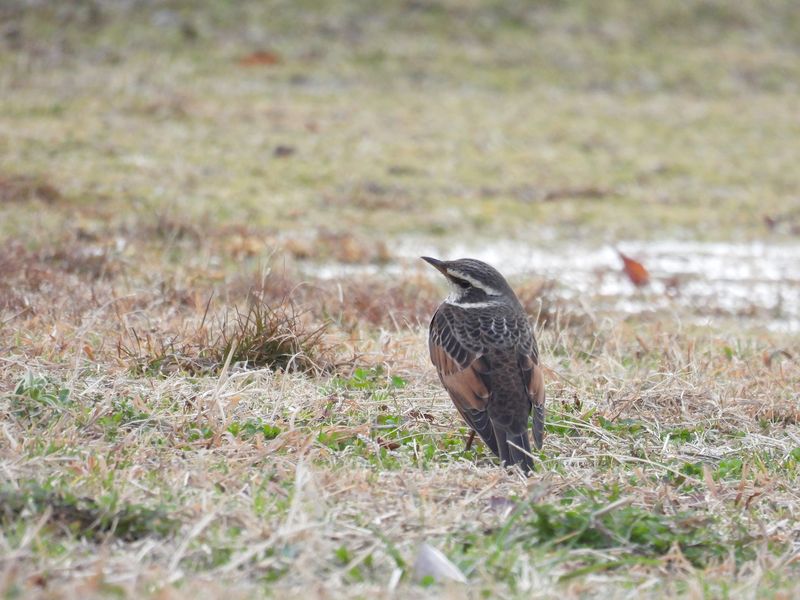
283	151
634	270
260	58
590	192
416	414
388	444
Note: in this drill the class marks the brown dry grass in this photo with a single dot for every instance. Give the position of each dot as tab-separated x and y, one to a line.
25	188
269	473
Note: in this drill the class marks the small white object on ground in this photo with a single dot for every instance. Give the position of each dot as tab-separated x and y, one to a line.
431	562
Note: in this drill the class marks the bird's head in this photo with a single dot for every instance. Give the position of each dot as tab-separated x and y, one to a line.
473	282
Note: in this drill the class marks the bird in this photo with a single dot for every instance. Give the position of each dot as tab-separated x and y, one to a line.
485	353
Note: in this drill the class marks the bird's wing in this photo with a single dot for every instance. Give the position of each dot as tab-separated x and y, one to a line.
534	382
464	374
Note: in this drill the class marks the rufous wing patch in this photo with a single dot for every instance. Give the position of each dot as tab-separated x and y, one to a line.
536	387
465	385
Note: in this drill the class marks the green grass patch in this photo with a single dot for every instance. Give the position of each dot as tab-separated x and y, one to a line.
253	427
83	516
586	521
38	399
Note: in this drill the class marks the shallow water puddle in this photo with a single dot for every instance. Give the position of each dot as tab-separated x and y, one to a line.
756	280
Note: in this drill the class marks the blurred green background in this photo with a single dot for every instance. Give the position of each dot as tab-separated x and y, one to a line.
530	120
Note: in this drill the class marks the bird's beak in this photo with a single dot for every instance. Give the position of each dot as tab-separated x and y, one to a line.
437	264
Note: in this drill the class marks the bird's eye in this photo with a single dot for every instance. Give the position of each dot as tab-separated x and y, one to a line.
461	283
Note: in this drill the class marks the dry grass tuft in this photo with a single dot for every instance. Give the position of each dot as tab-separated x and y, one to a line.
265	334
274	336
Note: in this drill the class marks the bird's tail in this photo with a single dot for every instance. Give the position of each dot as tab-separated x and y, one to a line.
520	451
538	425
515	449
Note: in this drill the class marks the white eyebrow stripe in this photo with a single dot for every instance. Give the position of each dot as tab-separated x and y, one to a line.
474	282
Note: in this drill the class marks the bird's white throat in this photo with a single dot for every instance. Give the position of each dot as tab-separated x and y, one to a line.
456	298
483	304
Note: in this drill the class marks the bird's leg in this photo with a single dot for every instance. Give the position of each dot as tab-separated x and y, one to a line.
469	439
